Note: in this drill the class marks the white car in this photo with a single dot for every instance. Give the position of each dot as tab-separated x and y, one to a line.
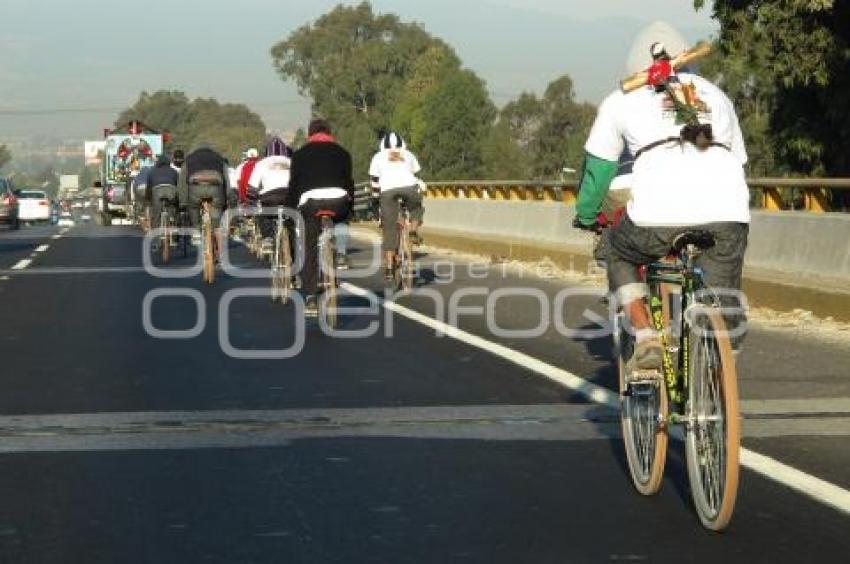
66	220
34	206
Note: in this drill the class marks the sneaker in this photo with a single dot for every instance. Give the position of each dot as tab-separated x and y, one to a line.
311	306
341	261
648	355
196	239
416	238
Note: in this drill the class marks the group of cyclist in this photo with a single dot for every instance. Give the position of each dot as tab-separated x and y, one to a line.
317	180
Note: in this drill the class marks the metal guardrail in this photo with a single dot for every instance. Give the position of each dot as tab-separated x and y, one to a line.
815	195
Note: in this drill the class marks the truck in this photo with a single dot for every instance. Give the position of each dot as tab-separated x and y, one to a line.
128	150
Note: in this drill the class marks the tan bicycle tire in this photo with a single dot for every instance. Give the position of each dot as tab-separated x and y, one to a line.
718	520
645	482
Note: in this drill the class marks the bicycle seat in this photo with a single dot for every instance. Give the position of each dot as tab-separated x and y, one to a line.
326	213
700	239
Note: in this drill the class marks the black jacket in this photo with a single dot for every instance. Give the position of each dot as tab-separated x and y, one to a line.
319	165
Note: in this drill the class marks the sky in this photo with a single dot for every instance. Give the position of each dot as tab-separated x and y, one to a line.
67	68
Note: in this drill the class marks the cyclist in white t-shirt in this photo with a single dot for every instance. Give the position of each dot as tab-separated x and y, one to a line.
686	176
393	170
270	180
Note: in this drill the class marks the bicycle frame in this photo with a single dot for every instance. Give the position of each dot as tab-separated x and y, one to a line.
683	274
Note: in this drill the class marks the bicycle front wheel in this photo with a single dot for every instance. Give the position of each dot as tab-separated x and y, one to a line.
643	413
713	436
404	272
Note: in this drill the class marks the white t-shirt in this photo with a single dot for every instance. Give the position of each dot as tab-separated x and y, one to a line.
675	184
395	168
271	173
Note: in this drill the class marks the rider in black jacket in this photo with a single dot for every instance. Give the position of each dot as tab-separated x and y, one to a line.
321	179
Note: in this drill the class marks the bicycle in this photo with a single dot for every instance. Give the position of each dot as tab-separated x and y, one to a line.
696	387
327	261
403	267
208	240
281	261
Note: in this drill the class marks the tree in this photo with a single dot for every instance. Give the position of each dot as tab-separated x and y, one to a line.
5	156
524	116
230	128
354	64
548	132
460	115
432	66
503	157
562	131
784	63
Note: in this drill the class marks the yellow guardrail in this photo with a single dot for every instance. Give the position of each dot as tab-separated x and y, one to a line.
815	195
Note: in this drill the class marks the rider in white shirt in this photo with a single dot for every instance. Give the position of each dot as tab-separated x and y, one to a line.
685	176
393	170
270	180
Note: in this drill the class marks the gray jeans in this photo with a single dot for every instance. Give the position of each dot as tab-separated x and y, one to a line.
199	192
722	264
389	212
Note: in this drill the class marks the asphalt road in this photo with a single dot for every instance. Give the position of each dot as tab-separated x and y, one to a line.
402	446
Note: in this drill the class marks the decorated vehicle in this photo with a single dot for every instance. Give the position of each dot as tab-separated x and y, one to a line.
129	149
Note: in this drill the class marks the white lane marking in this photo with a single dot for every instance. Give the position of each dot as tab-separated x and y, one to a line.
42	248
22	264
817	489
4	278
57	236
61	270
591	391
797	480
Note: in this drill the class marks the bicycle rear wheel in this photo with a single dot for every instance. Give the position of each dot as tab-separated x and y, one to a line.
281	267
644	408
712	444
209	257
328	300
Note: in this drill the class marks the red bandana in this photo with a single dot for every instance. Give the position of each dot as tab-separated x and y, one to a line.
321	138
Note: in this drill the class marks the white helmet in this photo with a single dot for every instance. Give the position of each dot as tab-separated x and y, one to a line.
644	46
392	140
251	153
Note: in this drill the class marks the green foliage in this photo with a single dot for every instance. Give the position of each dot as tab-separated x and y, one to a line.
785	65
432	66
564	127
548	132
230	128
5	156
356	65
352	62
459	116
503	157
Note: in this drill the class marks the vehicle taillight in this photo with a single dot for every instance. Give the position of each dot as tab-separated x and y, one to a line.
42	202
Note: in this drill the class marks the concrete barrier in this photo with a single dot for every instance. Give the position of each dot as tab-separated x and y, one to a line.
797	246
